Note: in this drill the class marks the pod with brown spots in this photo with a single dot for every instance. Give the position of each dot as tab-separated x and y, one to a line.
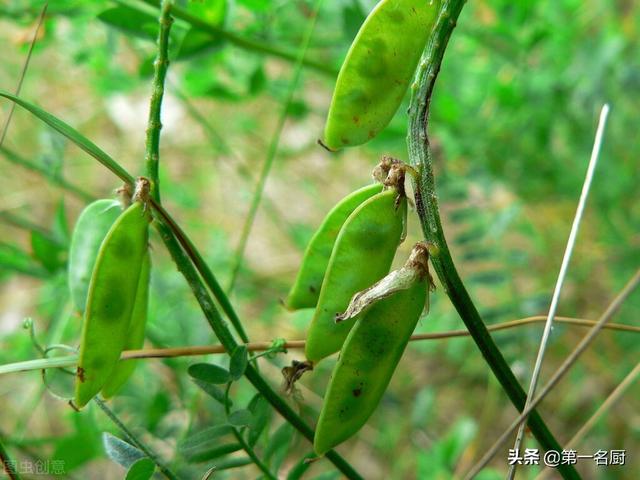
377	71
110	302
386	315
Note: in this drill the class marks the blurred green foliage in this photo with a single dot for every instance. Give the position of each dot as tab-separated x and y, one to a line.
512	122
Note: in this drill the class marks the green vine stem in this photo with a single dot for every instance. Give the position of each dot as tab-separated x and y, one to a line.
191	275
264	347
161	65
203	269
134	440
223	334
427	208
72	134
8	465
245	445
245	43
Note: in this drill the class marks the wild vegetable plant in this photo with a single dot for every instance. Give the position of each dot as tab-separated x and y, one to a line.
364	308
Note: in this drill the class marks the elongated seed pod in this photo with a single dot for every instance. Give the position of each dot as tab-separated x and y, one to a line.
92	226
135	334
370	355
306	289
377	70
362	255
112	294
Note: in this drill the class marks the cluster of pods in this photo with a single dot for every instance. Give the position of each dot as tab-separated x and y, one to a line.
109	270
367	316
361	310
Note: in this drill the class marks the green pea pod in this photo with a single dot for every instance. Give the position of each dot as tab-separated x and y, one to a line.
110	302
362	255
372	351
306	289
135	335
92	226
377	70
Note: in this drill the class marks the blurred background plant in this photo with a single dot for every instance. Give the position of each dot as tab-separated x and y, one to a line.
512	121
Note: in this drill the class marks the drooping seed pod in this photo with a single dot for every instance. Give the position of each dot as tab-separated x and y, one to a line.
386	316
362	255
378	69
111	298
135	334
306	289
92	226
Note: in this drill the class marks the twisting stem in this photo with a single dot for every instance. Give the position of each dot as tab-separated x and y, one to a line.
427	209
161	65
273	149
134	440
223	334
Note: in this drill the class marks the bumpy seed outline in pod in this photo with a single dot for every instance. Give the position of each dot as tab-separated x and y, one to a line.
306	288
372	350
377	70
91	228
135	335
362	255
110	302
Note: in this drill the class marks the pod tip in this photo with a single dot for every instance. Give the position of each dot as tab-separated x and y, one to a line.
325	146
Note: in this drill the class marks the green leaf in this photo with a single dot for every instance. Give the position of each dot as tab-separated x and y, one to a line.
12	258
52	156
213	12
240	418
131	21
210	453
205	437
278	446
238	362
232	463
214	392
120	451
46	251
155	409
330	475
142	469
255	5
257	81
60	225
261	411
80	140
196	42
352	19
209	373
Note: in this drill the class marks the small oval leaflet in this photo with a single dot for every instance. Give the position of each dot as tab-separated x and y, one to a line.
241	418
209	373
238	362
